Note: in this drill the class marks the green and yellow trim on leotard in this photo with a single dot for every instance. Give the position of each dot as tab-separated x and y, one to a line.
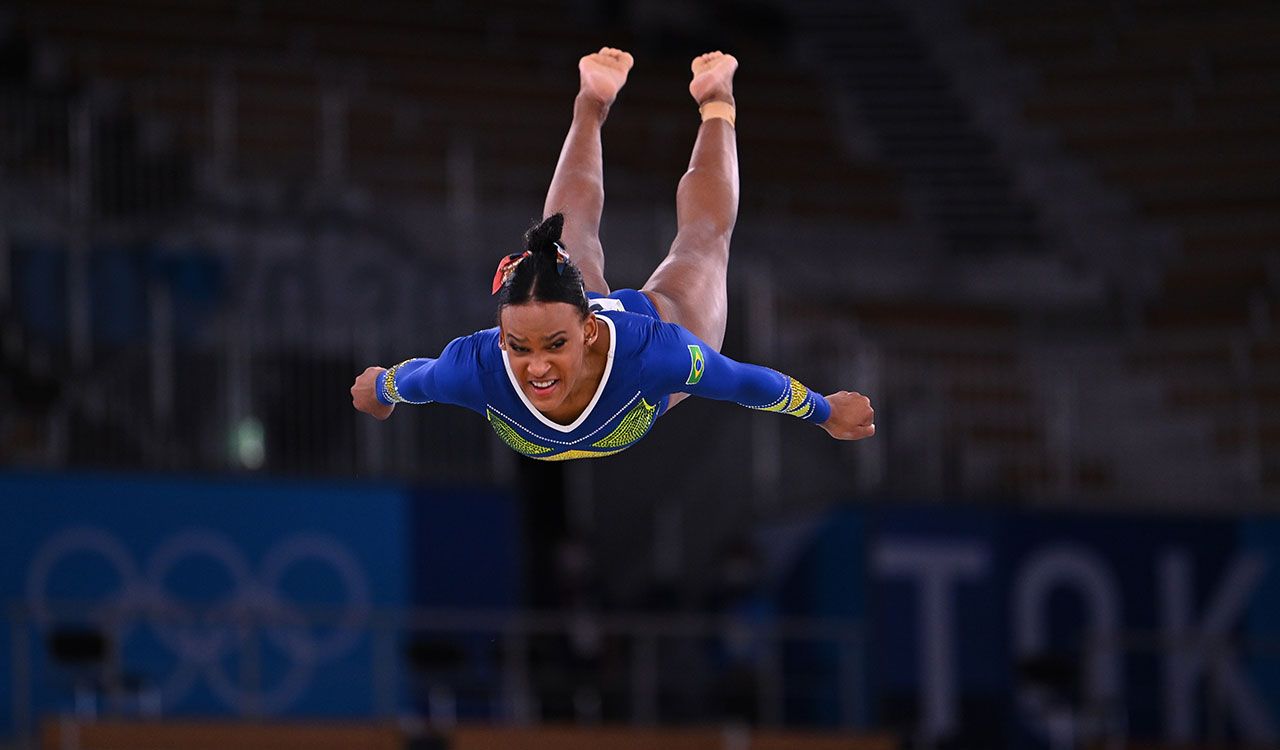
571	455
389	384
795	401
633	426
513	439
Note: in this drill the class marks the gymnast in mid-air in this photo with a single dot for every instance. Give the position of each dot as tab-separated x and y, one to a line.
574	371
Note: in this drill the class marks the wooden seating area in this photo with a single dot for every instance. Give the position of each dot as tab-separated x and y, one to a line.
417	79
963	364
1176	104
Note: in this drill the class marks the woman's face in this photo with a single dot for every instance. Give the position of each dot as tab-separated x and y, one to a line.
547	345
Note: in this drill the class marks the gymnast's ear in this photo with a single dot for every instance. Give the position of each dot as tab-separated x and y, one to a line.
591	327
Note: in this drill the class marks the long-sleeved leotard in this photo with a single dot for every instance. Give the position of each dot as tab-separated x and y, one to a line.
648	361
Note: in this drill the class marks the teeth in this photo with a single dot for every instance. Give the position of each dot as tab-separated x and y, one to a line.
542	383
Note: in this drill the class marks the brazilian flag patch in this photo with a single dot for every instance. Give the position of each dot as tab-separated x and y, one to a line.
698	365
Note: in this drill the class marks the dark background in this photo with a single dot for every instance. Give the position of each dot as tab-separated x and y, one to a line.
1041	237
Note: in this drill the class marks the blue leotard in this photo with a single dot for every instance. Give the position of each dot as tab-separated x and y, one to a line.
648	361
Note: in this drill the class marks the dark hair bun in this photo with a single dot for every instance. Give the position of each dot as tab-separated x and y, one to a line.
541	239
542	277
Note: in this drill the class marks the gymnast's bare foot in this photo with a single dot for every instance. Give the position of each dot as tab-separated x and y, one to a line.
713	77
603	73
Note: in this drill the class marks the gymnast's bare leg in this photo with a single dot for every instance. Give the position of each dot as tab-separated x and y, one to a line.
690	287
577	188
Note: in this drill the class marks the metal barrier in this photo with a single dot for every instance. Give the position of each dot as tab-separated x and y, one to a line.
445	666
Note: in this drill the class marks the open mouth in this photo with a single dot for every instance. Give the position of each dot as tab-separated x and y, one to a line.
543	387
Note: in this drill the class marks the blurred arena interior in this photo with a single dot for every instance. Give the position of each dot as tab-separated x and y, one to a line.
1043	237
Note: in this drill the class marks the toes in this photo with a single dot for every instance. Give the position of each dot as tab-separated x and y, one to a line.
706	59
613	57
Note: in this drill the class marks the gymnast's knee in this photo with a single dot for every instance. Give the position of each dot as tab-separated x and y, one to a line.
696	202
707	240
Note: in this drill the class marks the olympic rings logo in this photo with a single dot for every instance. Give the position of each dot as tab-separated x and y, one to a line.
201	639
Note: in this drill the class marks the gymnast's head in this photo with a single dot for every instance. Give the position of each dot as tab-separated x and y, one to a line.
544	324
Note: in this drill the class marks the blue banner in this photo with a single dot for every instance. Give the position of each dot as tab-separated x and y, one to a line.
181	579
986	624
468	549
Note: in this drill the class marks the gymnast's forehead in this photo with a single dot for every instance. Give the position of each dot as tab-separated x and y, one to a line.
539	318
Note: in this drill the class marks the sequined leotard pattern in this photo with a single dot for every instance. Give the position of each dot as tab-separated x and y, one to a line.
648	361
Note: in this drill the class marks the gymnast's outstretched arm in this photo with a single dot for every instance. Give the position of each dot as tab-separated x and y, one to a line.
449	378
682	362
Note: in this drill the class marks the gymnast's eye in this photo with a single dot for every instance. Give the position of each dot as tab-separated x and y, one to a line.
559	343
516	347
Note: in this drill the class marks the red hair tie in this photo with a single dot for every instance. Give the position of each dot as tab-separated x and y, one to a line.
507	265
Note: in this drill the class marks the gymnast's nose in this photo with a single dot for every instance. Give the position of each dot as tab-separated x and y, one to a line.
539	367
